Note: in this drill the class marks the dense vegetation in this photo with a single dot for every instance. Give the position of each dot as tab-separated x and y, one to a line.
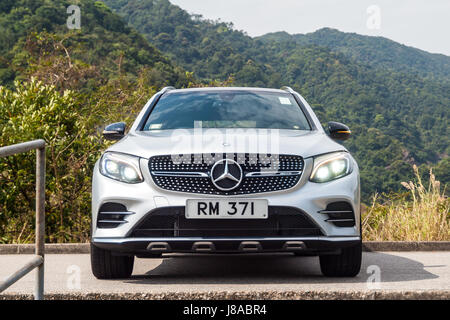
39	111
69	83
378	52
64	85
384	91
36	41
421	215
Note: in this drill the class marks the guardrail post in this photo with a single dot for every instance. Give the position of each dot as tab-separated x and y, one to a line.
38	260
40	221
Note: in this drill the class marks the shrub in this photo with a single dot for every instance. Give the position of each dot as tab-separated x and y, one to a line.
422	216
34	110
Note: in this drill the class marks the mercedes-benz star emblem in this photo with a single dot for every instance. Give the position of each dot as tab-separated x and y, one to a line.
226	174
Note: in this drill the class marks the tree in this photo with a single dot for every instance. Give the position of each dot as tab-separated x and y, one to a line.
31	111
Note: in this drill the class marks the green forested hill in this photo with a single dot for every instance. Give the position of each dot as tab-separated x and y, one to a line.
398	114
34	38
211	50
395	99
378	52
65	85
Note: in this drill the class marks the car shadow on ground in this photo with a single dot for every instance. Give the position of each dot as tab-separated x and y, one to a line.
270	269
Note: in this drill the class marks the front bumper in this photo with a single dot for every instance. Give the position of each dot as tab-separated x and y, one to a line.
218	245
144	198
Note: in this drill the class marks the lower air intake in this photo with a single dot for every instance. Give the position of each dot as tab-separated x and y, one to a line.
171	222
111	215
340	213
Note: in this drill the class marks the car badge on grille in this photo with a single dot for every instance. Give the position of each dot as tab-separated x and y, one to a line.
226	174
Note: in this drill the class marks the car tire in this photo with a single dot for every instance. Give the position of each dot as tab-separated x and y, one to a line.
105	265
345	264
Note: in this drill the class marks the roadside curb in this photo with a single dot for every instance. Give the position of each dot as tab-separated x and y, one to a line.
406	246
50	248
264	295
369	246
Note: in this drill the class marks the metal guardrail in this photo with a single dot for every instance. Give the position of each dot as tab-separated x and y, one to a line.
38	260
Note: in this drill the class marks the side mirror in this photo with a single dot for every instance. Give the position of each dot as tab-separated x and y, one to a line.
338	130
115	131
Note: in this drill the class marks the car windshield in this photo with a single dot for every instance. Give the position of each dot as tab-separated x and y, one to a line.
227	109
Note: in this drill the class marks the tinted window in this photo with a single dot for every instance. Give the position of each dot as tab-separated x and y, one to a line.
227	109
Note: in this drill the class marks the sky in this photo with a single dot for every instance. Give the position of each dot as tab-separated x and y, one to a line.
423	24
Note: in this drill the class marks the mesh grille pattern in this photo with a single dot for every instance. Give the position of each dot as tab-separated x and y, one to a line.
203	164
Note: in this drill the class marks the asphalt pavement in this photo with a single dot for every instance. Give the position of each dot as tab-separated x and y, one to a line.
259	274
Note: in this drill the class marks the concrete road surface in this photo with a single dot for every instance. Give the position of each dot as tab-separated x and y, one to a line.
398	271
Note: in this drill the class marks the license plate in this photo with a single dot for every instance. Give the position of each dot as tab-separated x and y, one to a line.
227	209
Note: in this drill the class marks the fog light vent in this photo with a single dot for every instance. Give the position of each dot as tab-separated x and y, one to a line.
340	214
111	215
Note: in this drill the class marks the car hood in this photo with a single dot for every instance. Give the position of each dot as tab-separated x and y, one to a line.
146	144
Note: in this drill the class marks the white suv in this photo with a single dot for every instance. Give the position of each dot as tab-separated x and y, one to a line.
226	170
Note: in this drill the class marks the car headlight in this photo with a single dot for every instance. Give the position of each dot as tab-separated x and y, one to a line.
121	167
331	166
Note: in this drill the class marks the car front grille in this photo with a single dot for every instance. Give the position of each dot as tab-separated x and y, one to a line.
171	222
192	173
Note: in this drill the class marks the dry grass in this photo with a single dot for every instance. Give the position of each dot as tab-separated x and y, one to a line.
423	216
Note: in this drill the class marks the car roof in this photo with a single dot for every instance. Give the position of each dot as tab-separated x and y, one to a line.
206	89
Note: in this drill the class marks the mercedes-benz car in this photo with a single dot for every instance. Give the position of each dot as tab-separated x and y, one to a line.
226	170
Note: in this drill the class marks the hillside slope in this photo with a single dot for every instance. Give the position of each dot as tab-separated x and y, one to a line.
397	110
378	52
34	34
69	85
211	50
